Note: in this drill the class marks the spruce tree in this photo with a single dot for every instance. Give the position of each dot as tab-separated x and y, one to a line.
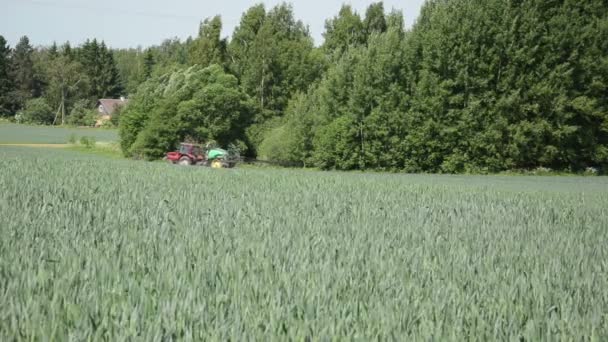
53	51
6	80
22	69
100	68
149	62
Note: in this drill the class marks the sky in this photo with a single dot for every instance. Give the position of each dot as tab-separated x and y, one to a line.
133	23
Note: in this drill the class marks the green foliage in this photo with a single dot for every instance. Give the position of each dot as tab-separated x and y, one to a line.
343	31
22	70
148	63
273	57
87	142
72	139
353	118
66	51
101	249
133	66
201	103
208	48
279	145
66	84
53	51
82	114
375	21
115	118
511	84
474	87
36	111
100	68
7	106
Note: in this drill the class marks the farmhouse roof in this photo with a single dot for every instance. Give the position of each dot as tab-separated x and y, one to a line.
110	105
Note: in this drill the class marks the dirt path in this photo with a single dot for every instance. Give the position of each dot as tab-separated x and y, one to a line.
38	145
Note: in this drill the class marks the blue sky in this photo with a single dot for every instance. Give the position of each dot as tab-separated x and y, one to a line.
132	23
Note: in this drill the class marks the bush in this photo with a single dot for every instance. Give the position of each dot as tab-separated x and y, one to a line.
88	142
72	139
115	118
36	111
279	146
82	114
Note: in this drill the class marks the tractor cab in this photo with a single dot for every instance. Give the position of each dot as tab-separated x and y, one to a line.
190	149
188	154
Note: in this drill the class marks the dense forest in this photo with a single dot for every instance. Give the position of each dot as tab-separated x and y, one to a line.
473	86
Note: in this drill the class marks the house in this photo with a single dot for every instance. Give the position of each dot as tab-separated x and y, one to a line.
107	107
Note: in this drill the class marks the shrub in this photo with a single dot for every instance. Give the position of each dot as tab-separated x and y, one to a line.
36	111
88	142
82	114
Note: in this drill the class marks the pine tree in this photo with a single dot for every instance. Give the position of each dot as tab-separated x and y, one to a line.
110	86
66	50
149	62
53	51
6	82
100	68
23	70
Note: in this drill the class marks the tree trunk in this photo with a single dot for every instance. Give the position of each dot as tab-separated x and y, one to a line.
62	107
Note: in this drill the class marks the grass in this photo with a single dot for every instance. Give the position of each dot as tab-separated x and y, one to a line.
11	133
108	150
94	249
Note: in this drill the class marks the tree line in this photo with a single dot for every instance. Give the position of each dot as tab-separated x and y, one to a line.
473	86
54	84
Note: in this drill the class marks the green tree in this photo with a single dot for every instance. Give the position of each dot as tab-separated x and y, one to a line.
7	105
53	51
208	48
130	64
100	67
67	82
149	62
66	50
82	114
274	58
23	71
375	21
197	103
36	111
343	31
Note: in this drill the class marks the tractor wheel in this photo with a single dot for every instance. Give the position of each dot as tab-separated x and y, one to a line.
217	164
184	161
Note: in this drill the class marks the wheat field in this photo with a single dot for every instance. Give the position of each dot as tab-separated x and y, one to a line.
98	249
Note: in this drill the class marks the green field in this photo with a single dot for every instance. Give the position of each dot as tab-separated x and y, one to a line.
96	249
28	134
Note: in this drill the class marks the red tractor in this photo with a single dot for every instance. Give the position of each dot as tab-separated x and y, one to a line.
188	154
193	154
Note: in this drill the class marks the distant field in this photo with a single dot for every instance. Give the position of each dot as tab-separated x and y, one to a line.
99	249
25	134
